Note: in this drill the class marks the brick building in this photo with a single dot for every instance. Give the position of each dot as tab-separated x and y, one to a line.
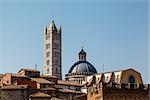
116	85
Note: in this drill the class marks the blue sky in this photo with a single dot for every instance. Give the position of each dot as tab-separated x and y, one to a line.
113	33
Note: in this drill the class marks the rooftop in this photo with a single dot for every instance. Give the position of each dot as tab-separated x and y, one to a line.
39	94
69	91
42	81
33	70
48	76
14	74
63	82
15	87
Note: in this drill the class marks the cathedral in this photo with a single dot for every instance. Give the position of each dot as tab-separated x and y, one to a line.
124	84
52	57
82	82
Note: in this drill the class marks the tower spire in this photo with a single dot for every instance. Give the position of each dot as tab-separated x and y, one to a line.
52	26
60	29
45	30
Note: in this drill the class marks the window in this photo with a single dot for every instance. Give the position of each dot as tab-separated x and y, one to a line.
48	46
131	80
56	62
56	37
56	70
47	54
47	70
47	36
56	54
47	62
117	79
107	79
56	46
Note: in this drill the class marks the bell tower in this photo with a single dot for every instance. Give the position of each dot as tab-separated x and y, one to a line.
52	50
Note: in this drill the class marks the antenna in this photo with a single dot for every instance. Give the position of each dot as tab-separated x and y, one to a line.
42	71
35	66
52	15
103	68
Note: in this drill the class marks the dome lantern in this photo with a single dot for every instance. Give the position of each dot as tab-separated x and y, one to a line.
82	55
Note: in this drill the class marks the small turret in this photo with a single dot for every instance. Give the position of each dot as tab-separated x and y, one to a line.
60	29
45	30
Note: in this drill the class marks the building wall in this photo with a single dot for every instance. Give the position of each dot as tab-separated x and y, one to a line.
109	91
6	79
1	77
126	74
95	92
121	94
65	96
39	98
14	95
35	74
30	83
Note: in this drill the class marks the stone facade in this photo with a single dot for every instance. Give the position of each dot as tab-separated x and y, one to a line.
19	92
1	76
111	91
52	51
121	76
29	72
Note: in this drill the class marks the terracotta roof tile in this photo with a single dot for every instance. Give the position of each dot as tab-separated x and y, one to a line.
42	81
40	94
33	70
13	87
48	76
1	75
51	89
14	74
69	91
54	98
63	82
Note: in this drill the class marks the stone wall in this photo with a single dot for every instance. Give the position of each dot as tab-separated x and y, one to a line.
14	95
112	91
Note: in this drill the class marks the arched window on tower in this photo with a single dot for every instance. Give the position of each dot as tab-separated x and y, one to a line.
131	80
47	70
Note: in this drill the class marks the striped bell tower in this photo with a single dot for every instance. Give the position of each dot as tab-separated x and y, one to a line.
52	50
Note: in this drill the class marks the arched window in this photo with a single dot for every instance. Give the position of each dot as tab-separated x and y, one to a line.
131	79
47	70
117	79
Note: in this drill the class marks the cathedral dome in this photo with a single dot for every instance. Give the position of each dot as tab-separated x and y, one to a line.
82	67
